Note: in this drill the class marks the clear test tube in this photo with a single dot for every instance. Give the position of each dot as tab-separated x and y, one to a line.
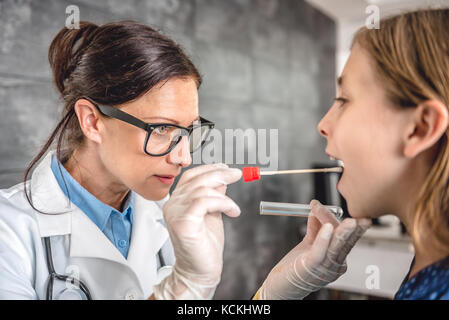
293	209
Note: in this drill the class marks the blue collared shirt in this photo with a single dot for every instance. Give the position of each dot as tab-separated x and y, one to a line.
115	225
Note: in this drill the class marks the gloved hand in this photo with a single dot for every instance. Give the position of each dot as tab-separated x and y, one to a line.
318	260
194	222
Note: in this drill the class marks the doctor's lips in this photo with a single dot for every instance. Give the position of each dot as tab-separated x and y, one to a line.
166	179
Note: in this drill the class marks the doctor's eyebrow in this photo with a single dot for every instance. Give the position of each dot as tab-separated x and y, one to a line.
168	119
160	118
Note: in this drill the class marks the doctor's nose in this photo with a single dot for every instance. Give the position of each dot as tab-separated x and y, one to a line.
180	155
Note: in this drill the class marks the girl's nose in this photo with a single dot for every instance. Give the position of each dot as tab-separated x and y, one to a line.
323	127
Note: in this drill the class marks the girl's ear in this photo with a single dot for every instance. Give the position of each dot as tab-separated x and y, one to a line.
427	125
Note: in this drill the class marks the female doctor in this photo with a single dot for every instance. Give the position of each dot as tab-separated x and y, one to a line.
95	220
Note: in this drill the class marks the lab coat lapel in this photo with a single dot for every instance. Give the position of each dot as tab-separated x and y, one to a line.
47	196
148	236
63	217
88	241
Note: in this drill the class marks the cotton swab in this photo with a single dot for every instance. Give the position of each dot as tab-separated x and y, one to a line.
254	173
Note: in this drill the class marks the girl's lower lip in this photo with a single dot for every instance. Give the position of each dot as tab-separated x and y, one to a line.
339	182
165	180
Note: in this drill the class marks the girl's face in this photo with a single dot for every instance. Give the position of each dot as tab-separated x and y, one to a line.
365	131
122	148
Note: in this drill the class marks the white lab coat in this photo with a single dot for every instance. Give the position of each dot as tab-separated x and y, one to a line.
79	248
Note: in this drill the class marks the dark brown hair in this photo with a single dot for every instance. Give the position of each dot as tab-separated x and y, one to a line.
112	64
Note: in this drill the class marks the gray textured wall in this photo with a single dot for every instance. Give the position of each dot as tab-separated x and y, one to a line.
266	64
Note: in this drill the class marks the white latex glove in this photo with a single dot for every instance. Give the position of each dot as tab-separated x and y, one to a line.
317	260
193	215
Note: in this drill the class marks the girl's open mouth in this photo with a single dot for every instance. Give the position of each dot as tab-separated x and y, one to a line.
340	164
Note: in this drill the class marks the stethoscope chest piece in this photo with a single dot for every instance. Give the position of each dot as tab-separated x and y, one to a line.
70	294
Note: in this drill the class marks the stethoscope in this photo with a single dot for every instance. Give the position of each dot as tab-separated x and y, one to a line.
81	285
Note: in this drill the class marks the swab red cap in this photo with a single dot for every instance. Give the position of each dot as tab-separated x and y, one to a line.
251	173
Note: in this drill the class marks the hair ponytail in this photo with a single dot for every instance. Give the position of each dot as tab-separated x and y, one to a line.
66	50
63	55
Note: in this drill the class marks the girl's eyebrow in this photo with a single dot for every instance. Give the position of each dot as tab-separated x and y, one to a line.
340	81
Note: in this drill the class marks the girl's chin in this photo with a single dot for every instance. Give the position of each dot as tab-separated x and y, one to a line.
356	208
357	212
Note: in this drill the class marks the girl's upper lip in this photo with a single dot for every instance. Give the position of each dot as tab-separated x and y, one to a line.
331	155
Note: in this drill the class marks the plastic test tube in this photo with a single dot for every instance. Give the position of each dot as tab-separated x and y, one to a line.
293	209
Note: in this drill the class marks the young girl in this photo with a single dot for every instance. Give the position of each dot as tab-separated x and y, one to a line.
389	125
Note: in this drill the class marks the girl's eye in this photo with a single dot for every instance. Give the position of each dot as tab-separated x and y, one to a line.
341	100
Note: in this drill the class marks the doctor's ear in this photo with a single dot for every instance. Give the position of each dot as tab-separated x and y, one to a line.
88	119
428	123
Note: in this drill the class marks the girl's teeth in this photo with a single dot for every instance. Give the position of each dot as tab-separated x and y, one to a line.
340	163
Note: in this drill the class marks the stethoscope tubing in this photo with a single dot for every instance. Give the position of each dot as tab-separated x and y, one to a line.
53	275
81	285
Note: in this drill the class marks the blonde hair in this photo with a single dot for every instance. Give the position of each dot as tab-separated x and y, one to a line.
411	55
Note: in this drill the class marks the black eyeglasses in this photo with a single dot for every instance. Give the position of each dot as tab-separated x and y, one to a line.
161	138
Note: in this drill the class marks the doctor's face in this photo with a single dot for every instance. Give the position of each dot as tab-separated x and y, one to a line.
122	149
363	129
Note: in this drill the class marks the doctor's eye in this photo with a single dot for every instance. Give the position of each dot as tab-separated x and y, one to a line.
162	130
